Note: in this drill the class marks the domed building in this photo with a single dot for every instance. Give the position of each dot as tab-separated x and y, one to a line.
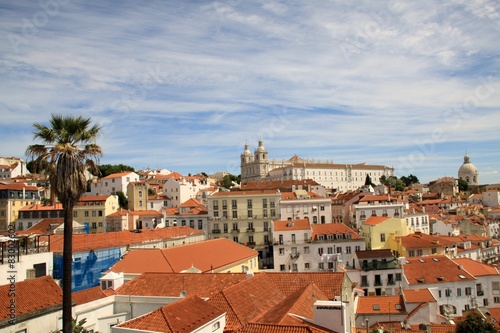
468	172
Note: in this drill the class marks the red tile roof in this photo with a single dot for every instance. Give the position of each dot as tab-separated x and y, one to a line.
39	207
477	268
272	328
332	229
207	255
118	175
376	220
418	295
284	225
89	295
172	284
33	295
192	203
382	305
183	316
434	270
86	242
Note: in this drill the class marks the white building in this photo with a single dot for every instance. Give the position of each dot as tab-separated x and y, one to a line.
300	246
450	283
376	205
491	198
182	189
340	177
376	272
116	182
303	204
12	167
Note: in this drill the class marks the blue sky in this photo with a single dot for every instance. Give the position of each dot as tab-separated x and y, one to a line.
184	85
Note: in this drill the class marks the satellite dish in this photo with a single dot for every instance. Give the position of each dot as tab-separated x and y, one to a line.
183	294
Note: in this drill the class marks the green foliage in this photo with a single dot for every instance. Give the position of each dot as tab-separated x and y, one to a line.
77	326
463	185
228	180
474	324
151	191
108	169
411	179
122	200
368	181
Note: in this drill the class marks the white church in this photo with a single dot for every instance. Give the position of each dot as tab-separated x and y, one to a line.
337	177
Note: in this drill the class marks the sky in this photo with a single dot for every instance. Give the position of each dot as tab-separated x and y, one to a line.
184	85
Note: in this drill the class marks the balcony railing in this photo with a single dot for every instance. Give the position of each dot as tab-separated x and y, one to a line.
216	231
235	230
294	255
250	229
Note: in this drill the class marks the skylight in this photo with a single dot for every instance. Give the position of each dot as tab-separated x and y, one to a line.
461	276
376	307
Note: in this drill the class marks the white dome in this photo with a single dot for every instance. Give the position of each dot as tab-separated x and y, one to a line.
468	172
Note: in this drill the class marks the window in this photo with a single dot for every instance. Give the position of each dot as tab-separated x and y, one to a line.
249	203
235	214
266	226
249	214
496	299
329	250
459	292
235	239
264	203
216	204
235	226
224	204
234	204
364	281
307	266
306	249
282	251
357	248
86	213
215	326
420	253
468	291
320	250
348	249
495	286
94	213
321	266
411	253
398	276
140	193
382	237
447	292
282	268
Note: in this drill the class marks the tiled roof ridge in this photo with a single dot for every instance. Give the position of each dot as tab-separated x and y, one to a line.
166	260
418	308
222	294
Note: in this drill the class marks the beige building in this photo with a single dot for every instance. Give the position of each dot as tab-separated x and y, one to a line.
13	197
245	217
137	195
91	211
340	177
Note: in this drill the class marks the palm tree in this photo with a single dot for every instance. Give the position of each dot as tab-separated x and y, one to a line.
69	148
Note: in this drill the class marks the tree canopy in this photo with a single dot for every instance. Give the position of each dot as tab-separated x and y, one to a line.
475	324
108	169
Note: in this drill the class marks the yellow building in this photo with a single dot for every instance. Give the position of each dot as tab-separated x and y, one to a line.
245	217
379	230
92	211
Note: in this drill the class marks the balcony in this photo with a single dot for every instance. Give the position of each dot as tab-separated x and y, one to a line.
251	230
250	243
235	230
294	255
480	293
216	231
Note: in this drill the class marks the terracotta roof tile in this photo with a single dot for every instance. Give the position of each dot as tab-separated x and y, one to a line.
382	305
30	296
273	328
476	268
87	242
206	255
284	225
89	295
332	229
183	316
172	284
434	270
418	295
376	220
118	175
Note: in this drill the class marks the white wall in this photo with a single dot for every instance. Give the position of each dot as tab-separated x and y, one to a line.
26	261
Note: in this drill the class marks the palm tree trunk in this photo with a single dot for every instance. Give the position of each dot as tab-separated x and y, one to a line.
67	267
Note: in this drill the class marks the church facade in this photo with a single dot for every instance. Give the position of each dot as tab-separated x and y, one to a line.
333	176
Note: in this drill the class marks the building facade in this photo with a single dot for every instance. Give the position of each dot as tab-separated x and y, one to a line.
340	177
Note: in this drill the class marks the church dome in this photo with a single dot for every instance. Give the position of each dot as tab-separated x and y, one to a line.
247	151
468	172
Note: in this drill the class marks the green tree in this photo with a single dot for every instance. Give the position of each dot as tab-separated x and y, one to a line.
463	185
368	180
69	146
474	324
411	179
108	169
122	200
